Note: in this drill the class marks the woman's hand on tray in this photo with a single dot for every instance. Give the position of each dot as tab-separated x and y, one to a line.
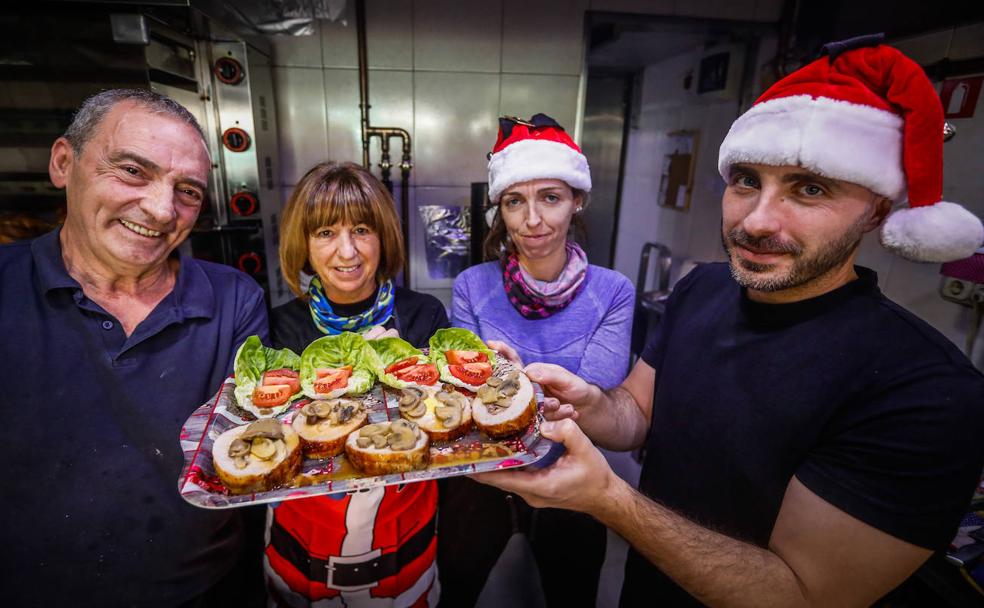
580	479
507	352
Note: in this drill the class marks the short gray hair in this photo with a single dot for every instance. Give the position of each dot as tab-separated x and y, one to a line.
94	109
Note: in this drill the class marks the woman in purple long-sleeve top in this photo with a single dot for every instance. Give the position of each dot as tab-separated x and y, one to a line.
542	299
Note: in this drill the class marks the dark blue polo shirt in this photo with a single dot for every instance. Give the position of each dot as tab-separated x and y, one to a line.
91	419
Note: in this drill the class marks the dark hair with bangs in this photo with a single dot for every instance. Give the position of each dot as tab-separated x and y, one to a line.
331	193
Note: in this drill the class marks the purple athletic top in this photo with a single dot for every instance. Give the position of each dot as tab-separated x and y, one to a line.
590	337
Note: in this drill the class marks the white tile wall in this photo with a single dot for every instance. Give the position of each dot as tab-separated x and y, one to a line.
716	9
389	34
298	51
301	120
338	39
451	35
342	107
455	125
768	10
649	7
968	42
524	95
543	37
391	98
745	10
927	48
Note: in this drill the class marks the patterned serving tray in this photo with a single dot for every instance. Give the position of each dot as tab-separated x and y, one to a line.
473	453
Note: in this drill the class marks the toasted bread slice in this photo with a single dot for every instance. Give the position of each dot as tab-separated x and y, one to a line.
383	460
257	475
498	422
440	428
326	437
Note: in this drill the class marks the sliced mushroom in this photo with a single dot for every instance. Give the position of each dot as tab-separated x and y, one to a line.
310	413
346	413
269	428
494	381
263	448
412	402
403	436
413	391
449	416
503	401
238	448
241	462
363	442
443	396
488	394
372	429
417	410
509	387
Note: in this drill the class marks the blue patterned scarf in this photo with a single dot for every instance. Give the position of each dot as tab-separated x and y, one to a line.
329	323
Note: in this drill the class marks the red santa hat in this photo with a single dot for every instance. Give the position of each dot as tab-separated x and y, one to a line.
537	148
868	116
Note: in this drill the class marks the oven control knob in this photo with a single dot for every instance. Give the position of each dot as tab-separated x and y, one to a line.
243	203
228	70
236	139
251	263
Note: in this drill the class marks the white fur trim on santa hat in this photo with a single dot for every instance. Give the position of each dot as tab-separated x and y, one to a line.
943	232
531	159
836	139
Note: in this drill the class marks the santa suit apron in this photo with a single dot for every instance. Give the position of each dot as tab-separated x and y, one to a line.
374	547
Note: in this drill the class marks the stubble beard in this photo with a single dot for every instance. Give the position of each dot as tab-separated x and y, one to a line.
805	268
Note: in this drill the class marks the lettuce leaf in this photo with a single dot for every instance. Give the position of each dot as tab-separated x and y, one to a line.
391	350
252	359
455	338
346	348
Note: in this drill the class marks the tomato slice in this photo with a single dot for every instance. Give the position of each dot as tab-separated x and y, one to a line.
402	364
471	373
331	379
425	373
271	395
282	376
283	371
321	372
461	357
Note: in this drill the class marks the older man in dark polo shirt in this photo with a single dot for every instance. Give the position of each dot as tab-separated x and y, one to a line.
110	341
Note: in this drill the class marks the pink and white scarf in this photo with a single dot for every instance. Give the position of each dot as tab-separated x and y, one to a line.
536	299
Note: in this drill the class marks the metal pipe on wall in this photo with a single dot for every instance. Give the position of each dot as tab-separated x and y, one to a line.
385	134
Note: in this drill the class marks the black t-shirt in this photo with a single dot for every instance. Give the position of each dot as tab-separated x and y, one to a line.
868	406
416	316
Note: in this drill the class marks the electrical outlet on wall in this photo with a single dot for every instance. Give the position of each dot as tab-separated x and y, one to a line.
957	290
963	280
977	296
